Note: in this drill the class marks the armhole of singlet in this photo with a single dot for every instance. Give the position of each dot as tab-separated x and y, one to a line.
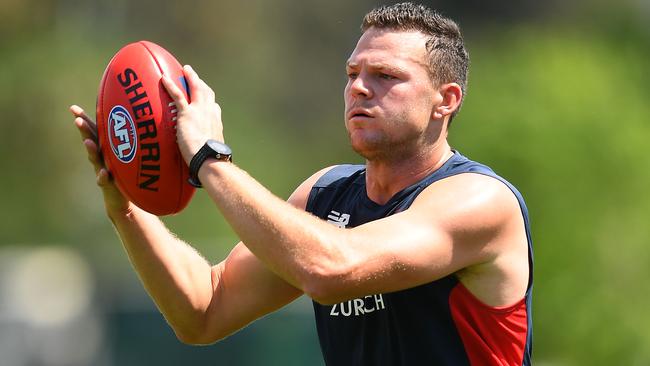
336	173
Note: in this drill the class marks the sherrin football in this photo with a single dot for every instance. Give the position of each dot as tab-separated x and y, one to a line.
136	127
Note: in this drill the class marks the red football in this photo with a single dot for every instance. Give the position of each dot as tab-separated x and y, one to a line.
136	126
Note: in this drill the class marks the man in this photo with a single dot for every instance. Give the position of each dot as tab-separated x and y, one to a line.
434	266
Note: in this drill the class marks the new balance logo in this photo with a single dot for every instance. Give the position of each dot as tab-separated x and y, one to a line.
338	219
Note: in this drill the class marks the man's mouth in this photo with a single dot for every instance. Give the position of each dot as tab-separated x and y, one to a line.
359	112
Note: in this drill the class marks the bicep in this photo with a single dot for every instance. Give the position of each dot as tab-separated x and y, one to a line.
450	226
244	290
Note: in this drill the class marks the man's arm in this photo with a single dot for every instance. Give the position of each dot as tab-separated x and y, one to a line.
462	222
468	223
202	303
244	288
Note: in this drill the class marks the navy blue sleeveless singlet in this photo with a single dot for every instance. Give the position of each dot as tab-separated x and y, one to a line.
438	323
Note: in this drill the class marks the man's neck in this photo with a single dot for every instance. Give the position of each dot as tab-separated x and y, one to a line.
385	178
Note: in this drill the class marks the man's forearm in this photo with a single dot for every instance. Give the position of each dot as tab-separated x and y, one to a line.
177	278
296	246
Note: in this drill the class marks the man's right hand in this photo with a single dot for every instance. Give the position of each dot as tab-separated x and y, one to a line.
114	201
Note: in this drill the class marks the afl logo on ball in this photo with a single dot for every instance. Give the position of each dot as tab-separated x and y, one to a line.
122	134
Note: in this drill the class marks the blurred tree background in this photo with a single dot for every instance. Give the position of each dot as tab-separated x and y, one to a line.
557	104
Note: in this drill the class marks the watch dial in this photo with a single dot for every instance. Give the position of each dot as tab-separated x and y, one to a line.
219	147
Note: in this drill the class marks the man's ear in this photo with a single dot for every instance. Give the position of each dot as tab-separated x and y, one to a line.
451	94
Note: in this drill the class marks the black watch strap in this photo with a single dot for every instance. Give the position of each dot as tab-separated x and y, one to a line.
211	149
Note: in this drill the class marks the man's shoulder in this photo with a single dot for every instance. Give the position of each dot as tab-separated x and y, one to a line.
322	178
337	173
468	178
470	198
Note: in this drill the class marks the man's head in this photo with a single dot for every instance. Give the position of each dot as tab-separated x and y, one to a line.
447	57
402	91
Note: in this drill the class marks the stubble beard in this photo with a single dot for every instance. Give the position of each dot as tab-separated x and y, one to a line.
381	148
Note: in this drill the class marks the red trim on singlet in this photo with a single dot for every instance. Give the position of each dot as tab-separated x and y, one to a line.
491	335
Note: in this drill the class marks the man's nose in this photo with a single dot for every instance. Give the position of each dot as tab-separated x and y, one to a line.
360	87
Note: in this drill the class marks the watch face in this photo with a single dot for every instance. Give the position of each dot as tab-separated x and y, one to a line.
219	147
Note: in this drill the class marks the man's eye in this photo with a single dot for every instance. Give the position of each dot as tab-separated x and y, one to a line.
352	75
386	76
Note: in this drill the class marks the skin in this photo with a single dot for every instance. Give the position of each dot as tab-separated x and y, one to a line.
397	119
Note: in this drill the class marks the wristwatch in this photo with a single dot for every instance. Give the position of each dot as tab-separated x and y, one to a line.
211	149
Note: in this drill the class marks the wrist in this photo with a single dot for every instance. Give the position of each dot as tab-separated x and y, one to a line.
213	150
121	213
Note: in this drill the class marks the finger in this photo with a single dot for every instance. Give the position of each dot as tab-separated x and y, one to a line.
198	88
175	92
94	156
86	131
103	177
87	126
79	112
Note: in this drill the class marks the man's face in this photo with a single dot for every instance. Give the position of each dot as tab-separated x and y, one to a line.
389	97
